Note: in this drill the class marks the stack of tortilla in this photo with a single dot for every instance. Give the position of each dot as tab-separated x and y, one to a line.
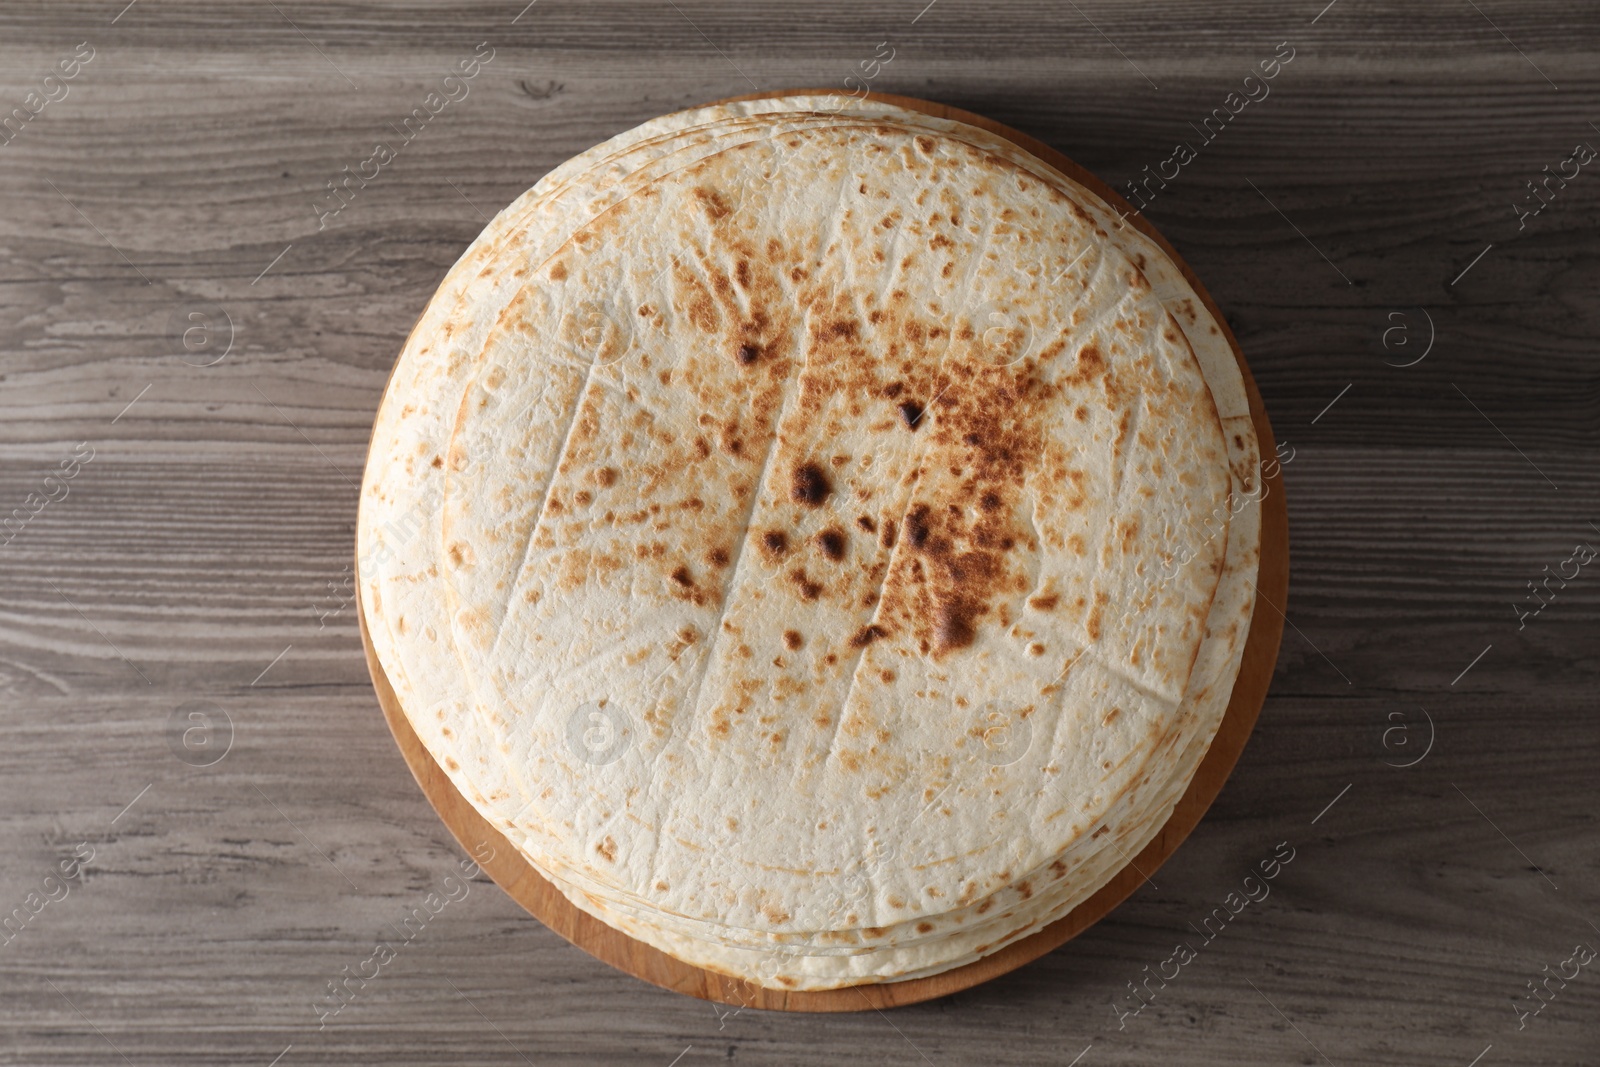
818	535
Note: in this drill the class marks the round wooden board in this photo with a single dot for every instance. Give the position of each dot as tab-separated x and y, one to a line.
545	903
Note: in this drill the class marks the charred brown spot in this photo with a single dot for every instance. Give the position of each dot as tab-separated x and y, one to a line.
866	635
712	203
809	590
912	414
809	485
1044	603
703	311
792	639
606	476
558	273
748	354
954	625
1090	363
867	523
989	501
717	557
916	524
775	541
843	329
1092	625
683	577
832	543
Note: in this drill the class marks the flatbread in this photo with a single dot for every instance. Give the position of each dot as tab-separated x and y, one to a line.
441	735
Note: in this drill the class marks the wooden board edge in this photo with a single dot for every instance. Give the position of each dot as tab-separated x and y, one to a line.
530	890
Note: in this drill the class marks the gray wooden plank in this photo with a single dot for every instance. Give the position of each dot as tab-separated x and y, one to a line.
200	541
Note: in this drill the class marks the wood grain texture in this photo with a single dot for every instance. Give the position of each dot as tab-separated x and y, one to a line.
201	539
544	902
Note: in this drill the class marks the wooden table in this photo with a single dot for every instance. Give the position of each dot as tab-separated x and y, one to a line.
187	502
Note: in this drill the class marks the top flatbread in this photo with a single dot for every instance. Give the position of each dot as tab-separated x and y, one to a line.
702	424
1002	323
